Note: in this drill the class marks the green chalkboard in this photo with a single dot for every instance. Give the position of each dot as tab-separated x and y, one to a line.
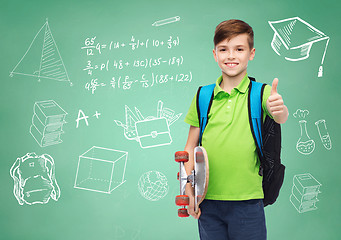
94	94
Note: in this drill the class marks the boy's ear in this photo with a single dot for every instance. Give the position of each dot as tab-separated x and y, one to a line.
215	55
252	55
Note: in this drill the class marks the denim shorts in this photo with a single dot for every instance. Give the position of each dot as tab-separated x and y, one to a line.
232	220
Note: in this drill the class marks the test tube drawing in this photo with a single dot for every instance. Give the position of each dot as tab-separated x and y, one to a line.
323	132
305	144
166	21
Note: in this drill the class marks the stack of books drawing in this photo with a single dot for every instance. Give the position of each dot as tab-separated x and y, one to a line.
304	192
47	123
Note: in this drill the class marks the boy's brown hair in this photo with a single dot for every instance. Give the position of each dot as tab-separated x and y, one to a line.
231	28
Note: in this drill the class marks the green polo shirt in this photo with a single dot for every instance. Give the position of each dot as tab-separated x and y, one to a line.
231	149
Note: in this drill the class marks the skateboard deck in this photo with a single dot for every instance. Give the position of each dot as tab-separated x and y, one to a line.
198	179
201	176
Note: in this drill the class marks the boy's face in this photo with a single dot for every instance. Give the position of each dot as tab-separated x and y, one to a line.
233	56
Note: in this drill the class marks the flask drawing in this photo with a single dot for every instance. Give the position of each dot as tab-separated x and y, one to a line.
305	144
324	135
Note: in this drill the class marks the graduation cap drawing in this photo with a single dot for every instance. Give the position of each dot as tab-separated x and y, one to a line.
293	38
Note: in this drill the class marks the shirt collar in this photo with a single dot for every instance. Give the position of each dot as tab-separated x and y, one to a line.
242	86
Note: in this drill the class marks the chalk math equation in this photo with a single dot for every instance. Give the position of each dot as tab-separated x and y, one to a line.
145	81
116	70
140	63
92	46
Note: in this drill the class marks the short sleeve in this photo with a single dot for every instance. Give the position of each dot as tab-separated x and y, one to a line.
266	94
192	114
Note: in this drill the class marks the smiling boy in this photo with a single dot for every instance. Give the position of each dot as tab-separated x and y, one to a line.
233	207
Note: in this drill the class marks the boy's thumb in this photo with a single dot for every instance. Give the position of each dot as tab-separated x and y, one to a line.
274	86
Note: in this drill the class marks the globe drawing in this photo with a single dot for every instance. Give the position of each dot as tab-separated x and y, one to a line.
153	185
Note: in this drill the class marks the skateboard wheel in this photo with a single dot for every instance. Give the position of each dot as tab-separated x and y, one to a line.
181	156
182	212
200	157
178	176
182	200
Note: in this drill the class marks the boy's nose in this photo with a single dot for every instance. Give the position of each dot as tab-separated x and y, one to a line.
230	55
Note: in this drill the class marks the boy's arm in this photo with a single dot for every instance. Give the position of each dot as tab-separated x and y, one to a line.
192	142
275	105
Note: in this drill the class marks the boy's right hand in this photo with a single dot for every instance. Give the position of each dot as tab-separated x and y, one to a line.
190	209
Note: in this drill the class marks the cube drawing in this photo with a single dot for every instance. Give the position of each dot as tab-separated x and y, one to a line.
101	169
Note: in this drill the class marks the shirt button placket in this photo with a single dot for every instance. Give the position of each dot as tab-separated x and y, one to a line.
229	104
228	111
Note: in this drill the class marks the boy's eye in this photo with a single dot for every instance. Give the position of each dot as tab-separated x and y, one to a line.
240	49
222	49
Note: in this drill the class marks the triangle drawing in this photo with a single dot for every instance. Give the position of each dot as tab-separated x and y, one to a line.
42	58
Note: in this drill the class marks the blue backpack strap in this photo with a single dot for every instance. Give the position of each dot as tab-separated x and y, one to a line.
204	102
255	113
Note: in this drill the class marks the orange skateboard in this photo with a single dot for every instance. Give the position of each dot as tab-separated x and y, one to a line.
198	179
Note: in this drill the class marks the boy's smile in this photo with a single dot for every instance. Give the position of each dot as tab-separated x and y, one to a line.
231	64
233	56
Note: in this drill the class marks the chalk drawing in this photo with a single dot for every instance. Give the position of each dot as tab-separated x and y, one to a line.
324	135
82	117
42	58
153	185
166	21
293	38
101	169
34	179
152	131
305	144
304	192
47	123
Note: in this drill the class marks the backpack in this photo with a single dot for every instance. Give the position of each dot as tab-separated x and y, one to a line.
267	136
34	179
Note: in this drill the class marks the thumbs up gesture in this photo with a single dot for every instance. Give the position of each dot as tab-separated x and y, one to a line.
275	104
